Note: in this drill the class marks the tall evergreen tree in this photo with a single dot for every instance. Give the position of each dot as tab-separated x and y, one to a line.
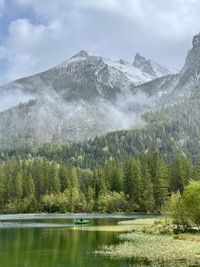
180	170
147	202
132	181
54	181
160	182
114	175
63	177
18	185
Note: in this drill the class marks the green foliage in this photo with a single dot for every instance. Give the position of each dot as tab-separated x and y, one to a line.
132	182
185	209
112	202
141	184
55	203
161	185
175	208
147	202
179	173
191	200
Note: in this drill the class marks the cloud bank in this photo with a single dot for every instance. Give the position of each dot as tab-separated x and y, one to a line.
12	99
42	34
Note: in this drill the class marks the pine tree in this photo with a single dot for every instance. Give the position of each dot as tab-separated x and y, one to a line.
147	202
73	191
132	181
180	170
63	177
160	182
195	175
18	186
39	178
54	181
114	176
29	186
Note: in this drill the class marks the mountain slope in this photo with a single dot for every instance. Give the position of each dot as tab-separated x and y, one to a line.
173	87
88	96
82	77
170	130
148	66
81	98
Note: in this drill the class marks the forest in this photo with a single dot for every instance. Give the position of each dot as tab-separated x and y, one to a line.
168	131
127	170
142	184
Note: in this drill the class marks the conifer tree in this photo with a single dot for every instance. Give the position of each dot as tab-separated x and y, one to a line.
132	181
54	181
63	177
160	182
180	170
18	186
147	202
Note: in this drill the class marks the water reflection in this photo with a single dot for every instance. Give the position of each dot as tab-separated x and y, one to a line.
53	247
51	241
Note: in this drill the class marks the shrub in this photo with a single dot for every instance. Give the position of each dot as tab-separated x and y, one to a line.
112	202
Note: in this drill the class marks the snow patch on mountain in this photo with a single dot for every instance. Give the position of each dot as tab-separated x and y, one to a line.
134	75
84	97
150	67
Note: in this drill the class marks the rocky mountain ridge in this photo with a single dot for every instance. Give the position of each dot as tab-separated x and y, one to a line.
150	67
87	96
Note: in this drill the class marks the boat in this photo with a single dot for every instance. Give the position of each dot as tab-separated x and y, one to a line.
82	222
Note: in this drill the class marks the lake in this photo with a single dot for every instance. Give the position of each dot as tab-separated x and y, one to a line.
37	240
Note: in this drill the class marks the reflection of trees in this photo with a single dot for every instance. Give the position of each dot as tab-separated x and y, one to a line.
53	247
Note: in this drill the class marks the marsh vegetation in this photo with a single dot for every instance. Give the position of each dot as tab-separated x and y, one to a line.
173	239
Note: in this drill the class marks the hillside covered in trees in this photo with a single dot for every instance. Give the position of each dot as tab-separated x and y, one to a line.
168	131
127	170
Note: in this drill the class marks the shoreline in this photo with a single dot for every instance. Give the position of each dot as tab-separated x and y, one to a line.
154	242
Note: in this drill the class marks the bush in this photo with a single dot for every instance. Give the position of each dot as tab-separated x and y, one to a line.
112	202
191	200
55	203
185	210
175	208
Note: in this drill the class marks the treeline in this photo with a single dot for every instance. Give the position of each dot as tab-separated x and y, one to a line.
140	184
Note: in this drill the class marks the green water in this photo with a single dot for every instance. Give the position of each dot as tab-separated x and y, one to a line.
53	241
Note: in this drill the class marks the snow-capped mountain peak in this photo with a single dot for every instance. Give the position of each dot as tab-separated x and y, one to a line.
119	74
81	53
148	66
81	98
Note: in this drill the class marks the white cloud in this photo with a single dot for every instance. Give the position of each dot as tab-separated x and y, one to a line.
48	9
11	99
174	18
112	28
28	48
177	17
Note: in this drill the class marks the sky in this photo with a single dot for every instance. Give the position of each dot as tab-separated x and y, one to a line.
38	34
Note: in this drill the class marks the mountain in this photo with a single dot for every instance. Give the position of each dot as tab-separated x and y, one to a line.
81	98
172	88
82	77
150	67
88	96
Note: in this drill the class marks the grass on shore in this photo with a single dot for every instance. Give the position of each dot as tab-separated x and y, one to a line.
145	221
108	228
152	241
155	249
